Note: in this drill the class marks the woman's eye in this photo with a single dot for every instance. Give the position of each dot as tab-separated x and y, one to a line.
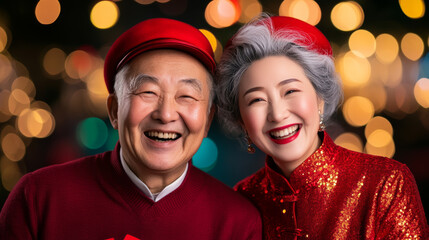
290	91
255	101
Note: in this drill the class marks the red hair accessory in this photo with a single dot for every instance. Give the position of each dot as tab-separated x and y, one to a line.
313	39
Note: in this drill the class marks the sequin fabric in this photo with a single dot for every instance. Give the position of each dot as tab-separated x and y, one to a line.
338	194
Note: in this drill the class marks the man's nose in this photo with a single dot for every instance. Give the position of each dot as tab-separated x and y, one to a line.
166	110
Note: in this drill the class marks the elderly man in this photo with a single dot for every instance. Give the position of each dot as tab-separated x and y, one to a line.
159	76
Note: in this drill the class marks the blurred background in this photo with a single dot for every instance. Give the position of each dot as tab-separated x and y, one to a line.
52	93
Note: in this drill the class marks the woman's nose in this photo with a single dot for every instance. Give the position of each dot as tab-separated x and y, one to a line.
277	111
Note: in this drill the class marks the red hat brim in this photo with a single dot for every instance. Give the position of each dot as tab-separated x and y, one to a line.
157	33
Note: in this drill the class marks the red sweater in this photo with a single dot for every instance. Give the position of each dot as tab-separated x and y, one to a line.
92	198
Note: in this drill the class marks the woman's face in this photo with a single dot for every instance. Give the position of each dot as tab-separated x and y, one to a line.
280	110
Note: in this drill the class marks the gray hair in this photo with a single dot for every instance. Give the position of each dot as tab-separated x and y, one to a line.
257	40
126	83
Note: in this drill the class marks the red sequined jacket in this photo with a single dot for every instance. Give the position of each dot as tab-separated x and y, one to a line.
338	194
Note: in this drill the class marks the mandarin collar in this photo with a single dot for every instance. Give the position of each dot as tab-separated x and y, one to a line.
306	174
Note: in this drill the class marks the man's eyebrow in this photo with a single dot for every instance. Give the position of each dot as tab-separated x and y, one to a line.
196	84
139	79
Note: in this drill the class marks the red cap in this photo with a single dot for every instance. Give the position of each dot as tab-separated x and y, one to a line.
157	33
313	40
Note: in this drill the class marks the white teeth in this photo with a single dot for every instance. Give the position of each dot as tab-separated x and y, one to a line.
162	135
285	132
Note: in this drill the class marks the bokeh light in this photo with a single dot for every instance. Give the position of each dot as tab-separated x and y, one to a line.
412	8
18	101
412	46
13	147
36	122
206	156
387	48
305	10
92	133
376	93
145	2
97	91
5	68
378	123
221	13
78	64
347	16
350	141
421	92
379	138
362	42
104	14
5	114
10	173
385	151
390	74
354	70
47	11
3	39
54	61
249	10
26	85
358	111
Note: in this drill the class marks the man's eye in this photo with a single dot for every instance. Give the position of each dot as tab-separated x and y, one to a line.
145	93
187	97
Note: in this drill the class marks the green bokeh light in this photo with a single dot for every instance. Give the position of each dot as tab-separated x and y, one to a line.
206	156
92	133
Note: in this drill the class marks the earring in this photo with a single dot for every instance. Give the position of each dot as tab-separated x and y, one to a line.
321	123
250	149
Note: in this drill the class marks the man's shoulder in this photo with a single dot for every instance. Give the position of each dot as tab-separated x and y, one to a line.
78	168
220	192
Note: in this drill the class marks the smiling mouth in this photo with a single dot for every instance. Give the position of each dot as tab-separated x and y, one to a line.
285	133
162	136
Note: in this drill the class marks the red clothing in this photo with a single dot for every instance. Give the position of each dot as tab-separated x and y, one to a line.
92	198
338	194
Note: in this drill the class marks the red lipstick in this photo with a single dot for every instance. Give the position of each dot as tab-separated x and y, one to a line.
285	140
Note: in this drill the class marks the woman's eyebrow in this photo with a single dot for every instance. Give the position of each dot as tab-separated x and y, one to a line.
286	81
254	89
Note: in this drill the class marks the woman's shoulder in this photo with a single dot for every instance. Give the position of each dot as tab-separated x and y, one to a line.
252	182
362	162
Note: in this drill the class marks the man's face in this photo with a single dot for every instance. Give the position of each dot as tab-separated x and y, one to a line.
163	119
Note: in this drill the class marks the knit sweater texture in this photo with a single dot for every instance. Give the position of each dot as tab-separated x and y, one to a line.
93	198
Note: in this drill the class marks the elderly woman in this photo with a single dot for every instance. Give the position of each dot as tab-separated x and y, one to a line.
277	84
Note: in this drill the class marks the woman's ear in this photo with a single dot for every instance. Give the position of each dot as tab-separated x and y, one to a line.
112	110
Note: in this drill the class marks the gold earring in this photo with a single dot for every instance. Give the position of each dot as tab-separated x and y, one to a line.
321	123
250	149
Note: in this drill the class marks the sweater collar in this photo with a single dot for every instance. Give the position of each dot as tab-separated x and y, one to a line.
144	188
134	197
305	174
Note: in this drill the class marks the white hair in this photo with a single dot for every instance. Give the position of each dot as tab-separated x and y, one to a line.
257	40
